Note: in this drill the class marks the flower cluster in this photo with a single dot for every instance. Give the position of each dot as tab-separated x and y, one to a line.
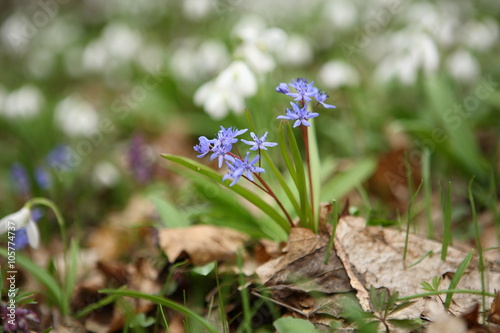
21	323
221	148
304	92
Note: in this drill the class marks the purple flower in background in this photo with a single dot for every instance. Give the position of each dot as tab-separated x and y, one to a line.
259	143
21	179
23	316
300	115
43	178
139	159
203	147
58	155
321	97
238	168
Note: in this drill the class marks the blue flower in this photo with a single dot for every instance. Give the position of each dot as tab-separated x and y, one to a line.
238	168
259	143
300	115
321	97
223	144
283	88
21	179
42	178
203	147
305	90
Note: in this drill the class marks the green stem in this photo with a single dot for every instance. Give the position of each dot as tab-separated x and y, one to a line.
60	220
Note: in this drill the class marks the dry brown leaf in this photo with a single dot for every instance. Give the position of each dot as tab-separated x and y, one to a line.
202	243
494	313
376	254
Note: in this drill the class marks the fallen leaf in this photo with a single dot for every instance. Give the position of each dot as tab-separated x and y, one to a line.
494	313
376	254
202	243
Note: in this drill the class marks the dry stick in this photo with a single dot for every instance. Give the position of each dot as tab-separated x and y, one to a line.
305	139
271	193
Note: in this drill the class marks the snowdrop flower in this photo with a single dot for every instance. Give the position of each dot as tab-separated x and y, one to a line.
463	66
296	51
105	174
335	74
22	219
227	91
341	13
25	102
195	10
480	35
76	116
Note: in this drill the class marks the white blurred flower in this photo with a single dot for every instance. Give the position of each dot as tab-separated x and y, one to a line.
24	102
405	53
193	63
227	91
76	116
336	74
258	43
296	51
341	13
21	219
16	33
463	66
480	35
197	9
105	174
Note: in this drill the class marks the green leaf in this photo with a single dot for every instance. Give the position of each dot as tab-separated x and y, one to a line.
41	275
343	182
447	213
306	212
400	307
247	194
315	169
71	272
457	276
294	325
409	324
169	214
164	302
426	286
286	154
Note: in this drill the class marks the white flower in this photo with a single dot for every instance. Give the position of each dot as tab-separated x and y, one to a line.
227	91
24	102
22	219
463	66
76	116
336	74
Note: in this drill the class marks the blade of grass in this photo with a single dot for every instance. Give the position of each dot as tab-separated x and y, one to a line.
97	305
447	236
457	276
426	174
286	155
163	302
247	194
409	220
447	292
42	276
246	325
71	272
478	244
222	311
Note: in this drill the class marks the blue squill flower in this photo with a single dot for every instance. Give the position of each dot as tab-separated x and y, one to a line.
259	143
321	97
238	168
21	179
299	114
305	90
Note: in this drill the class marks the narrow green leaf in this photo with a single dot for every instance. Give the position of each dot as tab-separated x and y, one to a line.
247	194
426	174
41	275
164	302
409	324
478	244
426	286
306	212
400	307
457	276
97	305
71	273
294	325
315	165
170	216
409	219
447	233
428	253
343	182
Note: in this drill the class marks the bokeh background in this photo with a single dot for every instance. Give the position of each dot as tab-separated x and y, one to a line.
92	92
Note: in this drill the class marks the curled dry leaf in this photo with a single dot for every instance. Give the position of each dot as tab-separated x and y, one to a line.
202	243
494	313
377	255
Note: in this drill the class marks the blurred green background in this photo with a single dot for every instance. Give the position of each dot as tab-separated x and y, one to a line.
92	92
